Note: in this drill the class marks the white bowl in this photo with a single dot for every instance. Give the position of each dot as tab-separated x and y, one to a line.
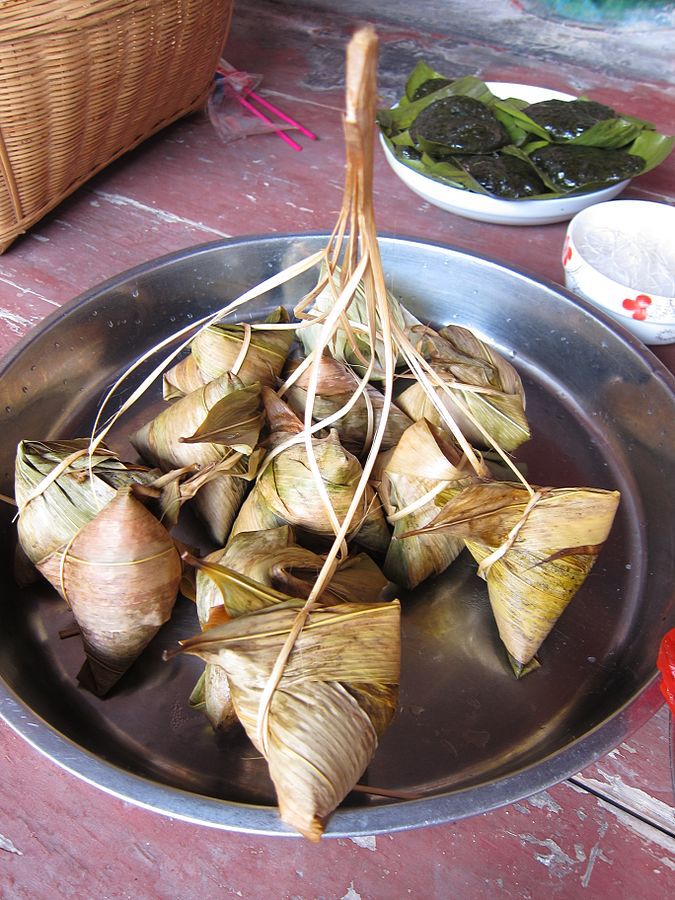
489	209
609	251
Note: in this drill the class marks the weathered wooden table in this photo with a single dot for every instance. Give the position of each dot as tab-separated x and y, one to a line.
608	830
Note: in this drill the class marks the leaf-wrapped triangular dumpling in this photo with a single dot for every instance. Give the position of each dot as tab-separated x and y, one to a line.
534	549
416	479
337	692
59	488
258	354
120	575
216	428
259	569
350	343
480	387
285	492
337	383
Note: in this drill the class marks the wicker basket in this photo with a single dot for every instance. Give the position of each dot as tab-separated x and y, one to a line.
83	81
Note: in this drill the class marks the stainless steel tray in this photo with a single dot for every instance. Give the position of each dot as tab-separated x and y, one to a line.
468	736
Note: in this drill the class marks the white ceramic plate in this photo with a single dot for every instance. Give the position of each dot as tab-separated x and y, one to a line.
489	209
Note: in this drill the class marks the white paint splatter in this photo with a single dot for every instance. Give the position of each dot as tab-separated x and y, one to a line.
352	893
161	214
650	807
556	860
368	842
6	844
595	854
24	291
543	800
667	862
16	323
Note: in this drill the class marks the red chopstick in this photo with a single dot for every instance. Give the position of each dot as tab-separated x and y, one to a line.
256	112
282	115
226	70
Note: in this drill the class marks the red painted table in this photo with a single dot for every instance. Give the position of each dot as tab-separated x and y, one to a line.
608	829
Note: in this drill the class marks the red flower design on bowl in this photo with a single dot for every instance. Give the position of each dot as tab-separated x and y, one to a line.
638	306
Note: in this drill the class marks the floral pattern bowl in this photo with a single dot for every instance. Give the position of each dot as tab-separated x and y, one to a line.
620	256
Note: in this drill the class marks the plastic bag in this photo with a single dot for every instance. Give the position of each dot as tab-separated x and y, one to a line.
231	114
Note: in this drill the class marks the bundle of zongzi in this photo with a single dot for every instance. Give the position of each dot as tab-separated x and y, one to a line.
215	427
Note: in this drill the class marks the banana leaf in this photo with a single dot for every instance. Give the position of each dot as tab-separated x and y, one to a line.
217	348
336	694
216	428
534	551
635	136
421	74
53	512
337	383
482	387
401	117
120	575
285	491
420	475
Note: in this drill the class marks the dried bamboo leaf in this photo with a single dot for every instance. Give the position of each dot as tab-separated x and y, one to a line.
234	421
321	737
350	344
480	386
50	514
337	383
162	441
420	474
262	569
285	494
120	575
218	348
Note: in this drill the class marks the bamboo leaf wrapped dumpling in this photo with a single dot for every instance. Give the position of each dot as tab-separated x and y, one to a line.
337	693
416	479
215	427
285	492
257	570
349	343
59	488
120	575
480	387
534	549
337	383
254	355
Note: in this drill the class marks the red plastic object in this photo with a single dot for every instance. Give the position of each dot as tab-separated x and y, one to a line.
666	664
